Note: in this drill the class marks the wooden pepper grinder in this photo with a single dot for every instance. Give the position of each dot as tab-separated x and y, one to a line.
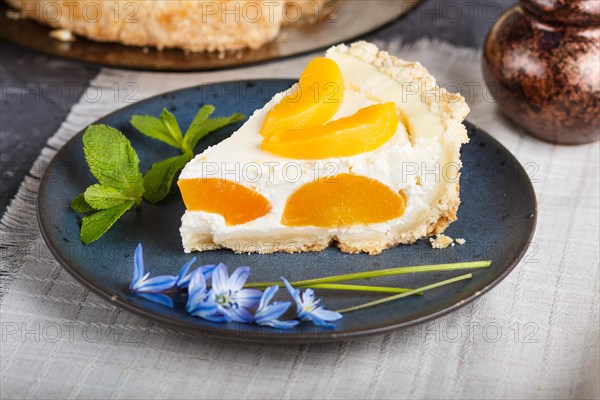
541	62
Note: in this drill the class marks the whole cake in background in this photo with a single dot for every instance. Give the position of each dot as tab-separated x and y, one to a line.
191	25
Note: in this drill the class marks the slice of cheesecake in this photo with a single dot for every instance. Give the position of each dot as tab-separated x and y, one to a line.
363	152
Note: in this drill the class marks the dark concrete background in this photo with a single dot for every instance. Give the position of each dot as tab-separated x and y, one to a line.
29	116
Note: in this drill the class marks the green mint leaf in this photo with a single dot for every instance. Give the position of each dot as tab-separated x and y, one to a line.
159	178
201	116
170	122
102	197
95	225
80	205
154	128
112	160
192	136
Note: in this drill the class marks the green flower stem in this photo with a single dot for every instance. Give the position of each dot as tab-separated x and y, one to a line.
378	273
401	295
337	286
357	288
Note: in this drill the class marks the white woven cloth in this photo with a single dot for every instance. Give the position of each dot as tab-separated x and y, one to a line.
536	335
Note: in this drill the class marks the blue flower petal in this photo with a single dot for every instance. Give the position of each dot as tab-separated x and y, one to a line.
271	312
157	284
208	270
247	297
138	266
183	281
267	296
279	324
201	308
220	279
196	290
295	293
238	278
267	314
214	317
183	278
207	310
308	308
327	315
158	298
204	310
238	314
309	299
318	321
201	302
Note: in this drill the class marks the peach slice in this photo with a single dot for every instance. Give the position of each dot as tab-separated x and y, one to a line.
318	98
236	203
368	129
341	201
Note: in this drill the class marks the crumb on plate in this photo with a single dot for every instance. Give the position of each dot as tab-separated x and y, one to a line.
62	35
442	241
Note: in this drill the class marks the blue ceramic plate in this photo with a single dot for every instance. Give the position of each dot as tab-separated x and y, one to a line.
497	218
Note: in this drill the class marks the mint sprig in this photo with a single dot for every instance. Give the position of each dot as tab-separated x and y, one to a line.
112	160
115	164
95	225
80	205
159	178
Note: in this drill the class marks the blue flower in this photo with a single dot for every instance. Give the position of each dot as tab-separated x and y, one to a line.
157	298
268	314
150	288
183	278
201	302
310	309
232	299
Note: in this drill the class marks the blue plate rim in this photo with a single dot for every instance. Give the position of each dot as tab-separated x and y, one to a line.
299	338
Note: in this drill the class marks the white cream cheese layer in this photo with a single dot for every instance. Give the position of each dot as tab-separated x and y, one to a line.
418	160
